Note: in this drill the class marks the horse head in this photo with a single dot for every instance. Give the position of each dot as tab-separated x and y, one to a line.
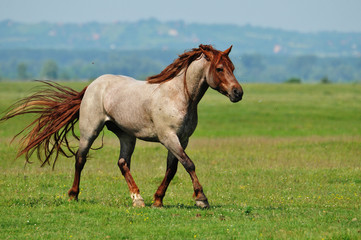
220	75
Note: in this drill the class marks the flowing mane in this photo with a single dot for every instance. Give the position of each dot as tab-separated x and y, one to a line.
182	62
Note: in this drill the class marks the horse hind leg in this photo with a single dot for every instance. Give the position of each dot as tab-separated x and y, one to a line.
127	144
87	137
133	188
172	165
80	160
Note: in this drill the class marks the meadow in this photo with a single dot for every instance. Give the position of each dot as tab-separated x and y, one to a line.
284	163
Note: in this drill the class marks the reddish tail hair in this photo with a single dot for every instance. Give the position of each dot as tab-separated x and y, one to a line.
58	110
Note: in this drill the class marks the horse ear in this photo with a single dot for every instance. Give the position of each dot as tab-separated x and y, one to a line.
207	55
226	52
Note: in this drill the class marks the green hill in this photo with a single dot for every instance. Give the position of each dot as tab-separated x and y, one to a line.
139	49
153	34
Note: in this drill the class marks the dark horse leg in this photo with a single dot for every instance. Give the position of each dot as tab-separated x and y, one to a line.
172	165
172	143
79	165
199	196
127	144
80	160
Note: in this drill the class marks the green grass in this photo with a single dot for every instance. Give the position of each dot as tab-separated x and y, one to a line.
282	164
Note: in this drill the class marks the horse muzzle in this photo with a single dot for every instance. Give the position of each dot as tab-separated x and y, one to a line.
236	94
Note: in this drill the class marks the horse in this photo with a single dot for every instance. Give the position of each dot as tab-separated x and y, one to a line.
161	109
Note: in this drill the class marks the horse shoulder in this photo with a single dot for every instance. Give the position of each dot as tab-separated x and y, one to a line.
174	116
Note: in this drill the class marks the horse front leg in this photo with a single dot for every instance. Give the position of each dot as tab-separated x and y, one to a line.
199	196
172	143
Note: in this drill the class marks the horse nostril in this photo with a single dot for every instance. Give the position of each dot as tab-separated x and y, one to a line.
237	93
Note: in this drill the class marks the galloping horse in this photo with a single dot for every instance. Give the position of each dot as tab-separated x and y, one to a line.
162	109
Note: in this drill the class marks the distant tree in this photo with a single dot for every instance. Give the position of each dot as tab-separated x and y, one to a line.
50	70
253	66
64	75
22	71
293	80
303	65
253	62
325	80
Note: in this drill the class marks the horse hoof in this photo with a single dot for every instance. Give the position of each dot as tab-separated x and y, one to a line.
137	200
138	203
73	196
202	203
157	205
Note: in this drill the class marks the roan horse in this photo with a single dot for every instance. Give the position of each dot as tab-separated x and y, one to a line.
162	109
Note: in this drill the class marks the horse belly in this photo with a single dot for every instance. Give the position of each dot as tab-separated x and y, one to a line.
135	123
146	133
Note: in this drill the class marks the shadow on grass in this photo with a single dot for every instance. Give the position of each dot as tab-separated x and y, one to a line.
186	207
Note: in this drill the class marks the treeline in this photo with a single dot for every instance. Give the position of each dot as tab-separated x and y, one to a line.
178	35
85	65
306	68
79	65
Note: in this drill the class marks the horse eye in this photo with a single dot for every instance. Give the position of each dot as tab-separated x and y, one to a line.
219	69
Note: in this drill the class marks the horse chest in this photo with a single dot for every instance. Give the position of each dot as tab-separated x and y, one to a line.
189	124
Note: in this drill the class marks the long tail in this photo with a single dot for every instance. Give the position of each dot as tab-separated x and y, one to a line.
57	108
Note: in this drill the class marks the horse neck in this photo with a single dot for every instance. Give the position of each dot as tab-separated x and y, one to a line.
196	84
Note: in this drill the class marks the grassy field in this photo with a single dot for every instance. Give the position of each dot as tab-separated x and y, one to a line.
282	164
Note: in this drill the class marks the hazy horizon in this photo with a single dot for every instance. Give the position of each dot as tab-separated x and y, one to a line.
305	16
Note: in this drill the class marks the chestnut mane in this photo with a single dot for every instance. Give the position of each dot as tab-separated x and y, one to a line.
182	62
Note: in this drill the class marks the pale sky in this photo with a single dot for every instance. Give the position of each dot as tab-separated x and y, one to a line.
299	15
